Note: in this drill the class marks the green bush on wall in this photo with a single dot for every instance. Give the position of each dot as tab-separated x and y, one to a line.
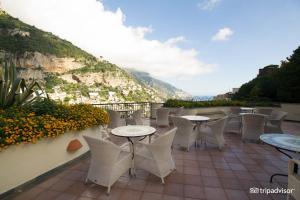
215	103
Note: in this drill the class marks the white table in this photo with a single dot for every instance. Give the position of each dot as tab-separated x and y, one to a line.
281	142
133	131
196	118
247	110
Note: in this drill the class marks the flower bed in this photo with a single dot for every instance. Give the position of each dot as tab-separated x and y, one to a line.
46	119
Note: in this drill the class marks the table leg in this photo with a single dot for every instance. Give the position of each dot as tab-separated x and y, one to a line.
132	171
279	174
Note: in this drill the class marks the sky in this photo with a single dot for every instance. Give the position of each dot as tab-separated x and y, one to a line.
205	47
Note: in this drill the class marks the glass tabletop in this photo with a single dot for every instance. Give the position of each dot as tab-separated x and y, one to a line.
195	117
283	141
133	131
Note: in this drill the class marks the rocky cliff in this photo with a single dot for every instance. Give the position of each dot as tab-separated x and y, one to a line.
68	73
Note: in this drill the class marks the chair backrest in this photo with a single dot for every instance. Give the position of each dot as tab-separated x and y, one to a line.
278	115
235	110
218	126
264	111
253	126
179	111
184	125
162	117
161	146
137	117
184	134
114	119
102	151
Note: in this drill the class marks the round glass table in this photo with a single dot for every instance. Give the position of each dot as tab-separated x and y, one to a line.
281	142
196	118
247	110
133	131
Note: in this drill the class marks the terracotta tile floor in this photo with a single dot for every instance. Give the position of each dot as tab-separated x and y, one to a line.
202	173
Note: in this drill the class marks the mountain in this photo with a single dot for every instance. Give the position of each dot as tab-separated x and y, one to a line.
70	74
164	89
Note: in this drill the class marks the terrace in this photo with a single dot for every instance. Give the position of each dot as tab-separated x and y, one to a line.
201	173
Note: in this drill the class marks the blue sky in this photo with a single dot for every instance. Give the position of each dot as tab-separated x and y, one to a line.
205	47
265	32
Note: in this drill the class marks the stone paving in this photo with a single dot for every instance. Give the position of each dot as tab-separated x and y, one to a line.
202	173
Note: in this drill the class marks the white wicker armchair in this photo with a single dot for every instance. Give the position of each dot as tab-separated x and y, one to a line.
213	132
234	121
253	126
156	156
294	179
114	119
136	118
108	162
162	117
186	134
274	122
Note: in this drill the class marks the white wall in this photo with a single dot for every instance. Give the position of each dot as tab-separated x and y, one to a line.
24	162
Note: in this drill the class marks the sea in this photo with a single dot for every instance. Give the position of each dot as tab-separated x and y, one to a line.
202	98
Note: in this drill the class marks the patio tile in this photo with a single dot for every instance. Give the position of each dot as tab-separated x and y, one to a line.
230	183
208	172
115	194
66	196
154	187
47	194
225	173
192	191
151	196
93	191
193	180
61	185
174	189
136	184
131	195
48	183
236	194
211	181
191	170
29	194
170	197
175	177
77	188
212	193
237	167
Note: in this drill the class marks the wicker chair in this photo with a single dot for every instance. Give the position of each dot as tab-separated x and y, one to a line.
136	118
186	134
114	119
253	126
293	179
156	157
108	162
212	132
274	122
162	117
234	121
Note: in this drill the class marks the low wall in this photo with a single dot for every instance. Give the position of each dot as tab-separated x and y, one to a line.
293	110
24	162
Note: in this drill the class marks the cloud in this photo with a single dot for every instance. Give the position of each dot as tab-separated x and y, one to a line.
208	4
223	34
87	24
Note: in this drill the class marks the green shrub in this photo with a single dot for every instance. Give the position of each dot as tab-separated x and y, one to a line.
214	103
